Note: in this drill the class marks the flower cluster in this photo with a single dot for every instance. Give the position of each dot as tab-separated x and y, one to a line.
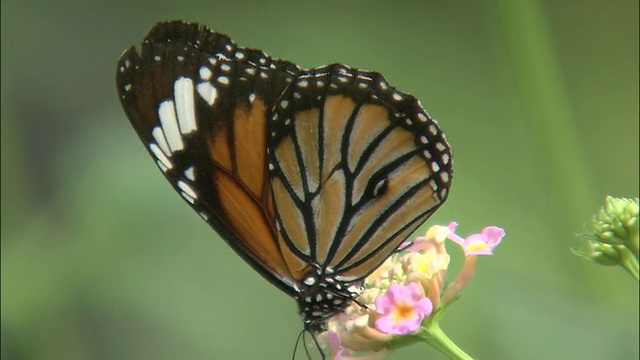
405	296
614	239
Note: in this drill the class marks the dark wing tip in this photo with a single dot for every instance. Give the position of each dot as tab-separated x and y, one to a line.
190	34
175	30
126	70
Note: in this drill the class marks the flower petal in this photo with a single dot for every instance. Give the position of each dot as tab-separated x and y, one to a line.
494	235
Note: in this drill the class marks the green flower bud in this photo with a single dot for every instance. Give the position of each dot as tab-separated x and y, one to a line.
617	221
614	240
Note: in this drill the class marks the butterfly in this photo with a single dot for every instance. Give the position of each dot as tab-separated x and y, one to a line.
313	176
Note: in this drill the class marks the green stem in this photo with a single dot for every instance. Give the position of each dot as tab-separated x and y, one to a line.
434	336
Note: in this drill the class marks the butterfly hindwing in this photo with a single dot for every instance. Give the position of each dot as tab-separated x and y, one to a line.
200	104
357	166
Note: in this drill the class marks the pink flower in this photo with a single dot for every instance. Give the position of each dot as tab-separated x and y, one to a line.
478	244
403	307
335	346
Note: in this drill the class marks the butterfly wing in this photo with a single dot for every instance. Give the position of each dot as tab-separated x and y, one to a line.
200	105
356	167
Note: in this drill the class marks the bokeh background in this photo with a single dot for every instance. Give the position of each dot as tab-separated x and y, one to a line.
102	260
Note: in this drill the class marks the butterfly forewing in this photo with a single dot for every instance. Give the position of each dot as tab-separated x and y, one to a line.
357	166
200	104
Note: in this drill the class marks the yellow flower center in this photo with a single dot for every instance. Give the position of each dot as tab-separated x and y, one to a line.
422	262
403	311
477	246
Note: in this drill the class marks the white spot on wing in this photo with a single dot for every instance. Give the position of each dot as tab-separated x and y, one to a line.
205	73
208	92
190	173
158	135
162	166
187	197
160	156
167	114
185	105
187	190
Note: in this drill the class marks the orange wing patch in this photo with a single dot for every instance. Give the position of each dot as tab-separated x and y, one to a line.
238	151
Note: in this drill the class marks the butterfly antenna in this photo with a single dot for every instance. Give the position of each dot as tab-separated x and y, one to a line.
295	349
315	341
304	343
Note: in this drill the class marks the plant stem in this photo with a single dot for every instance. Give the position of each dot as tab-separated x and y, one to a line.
435	337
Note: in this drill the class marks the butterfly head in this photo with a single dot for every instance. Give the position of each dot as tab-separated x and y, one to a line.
322	295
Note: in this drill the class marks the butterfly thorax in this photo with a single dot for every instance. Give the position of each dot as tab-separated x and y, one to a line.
322	295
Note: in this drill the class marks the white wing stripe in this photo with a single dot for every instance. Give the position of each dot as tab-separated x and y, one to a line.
185	105
158	135
167	114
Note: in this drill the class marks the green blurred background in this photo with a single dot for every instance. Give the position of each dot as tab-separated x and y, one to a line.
102	260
